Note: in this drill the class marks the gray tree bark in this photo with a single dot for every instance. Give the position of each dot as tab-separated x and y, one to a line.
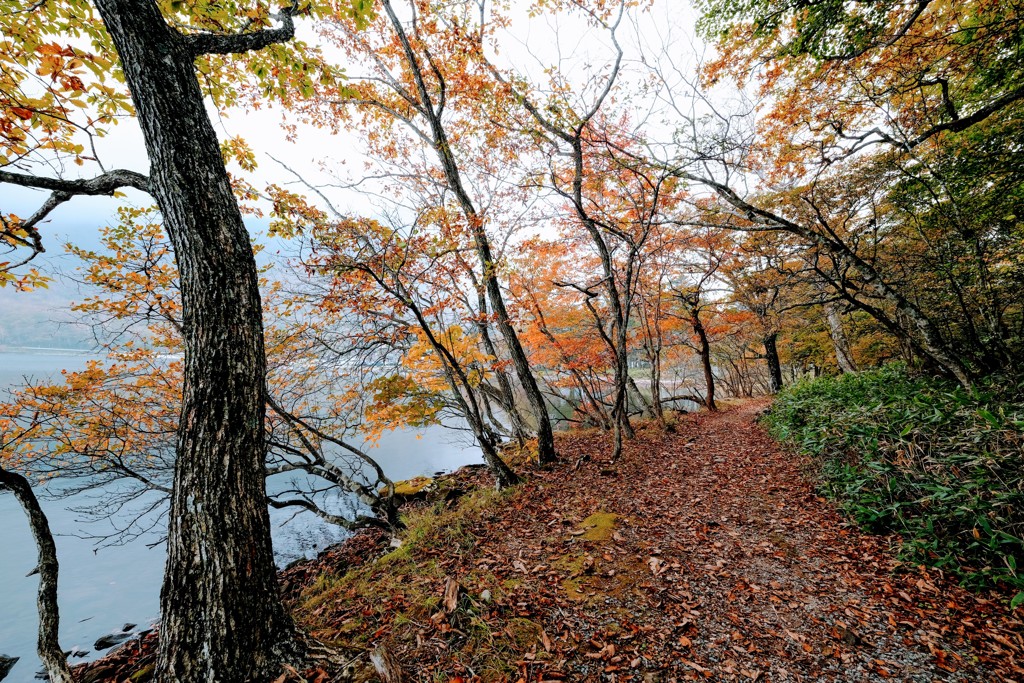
841	343
47	644
222	617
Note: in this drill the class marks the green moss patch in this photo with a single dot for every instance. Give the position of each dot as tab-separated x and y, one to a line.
599	526
412	487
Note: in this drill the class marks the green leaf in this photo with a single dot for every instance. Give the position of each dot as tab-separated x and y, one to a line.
990	418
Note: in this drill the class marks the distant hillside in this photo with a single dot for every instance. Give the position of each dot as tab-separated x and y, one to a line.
42	318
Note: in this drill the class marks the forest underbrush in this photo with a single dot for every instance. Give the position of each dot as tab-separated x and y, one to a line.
923	458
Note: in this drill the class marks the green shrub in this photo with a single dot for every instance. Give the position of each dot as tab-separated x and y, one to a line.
922	457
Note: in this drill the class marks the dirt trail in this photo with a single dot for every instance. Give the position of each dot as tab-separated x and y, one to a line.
724	564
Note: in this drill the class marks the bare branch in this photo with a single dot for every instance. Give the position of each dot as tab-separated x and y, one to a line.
359	522
104	184
238	43
61	191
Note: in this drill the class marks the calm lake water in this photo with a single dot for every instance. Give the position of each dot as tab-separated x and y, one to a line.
103	589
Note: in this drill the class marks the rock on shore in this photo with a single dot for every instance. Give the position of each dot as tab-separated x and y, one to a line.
6	664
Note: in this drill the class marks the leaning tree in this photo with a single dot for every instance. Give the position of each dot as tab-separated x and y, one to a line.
222	618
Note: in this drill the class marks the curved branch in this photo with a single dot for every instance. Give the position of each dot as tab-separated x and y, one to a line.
200	44
104	184
360	522
963	123
359	453
48	645
61	190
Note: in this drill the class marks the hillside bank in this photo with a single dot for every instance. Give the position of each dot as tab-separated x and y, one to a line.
704	553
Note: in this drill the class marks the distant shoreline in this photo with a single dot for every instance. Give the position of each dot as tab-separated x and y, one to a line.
43	349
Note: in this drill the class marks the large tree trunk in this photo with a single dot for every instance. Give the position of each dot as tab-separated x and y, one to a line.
844	357
222	618
705	358
47	645
771	355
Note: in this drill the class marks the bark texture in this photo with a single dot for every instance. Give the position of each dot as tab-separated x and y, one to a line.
47	645
771	355
844	357
222	618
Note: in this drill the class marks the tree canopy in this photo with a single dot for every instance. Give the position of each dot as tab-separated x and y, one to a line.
496	240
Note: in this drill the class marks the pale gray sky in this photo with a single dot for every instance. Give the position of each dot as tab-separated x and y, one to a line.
529	46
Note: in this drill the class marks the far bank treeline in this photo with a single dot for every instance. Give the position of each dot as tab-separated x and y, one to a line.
597	238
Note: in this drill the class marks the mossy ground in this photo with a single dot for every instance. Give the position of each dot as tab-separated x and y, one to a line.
412	487
599	526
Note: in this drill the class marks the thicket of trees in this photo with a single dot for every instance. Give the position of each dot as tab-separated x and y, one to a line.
599	237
